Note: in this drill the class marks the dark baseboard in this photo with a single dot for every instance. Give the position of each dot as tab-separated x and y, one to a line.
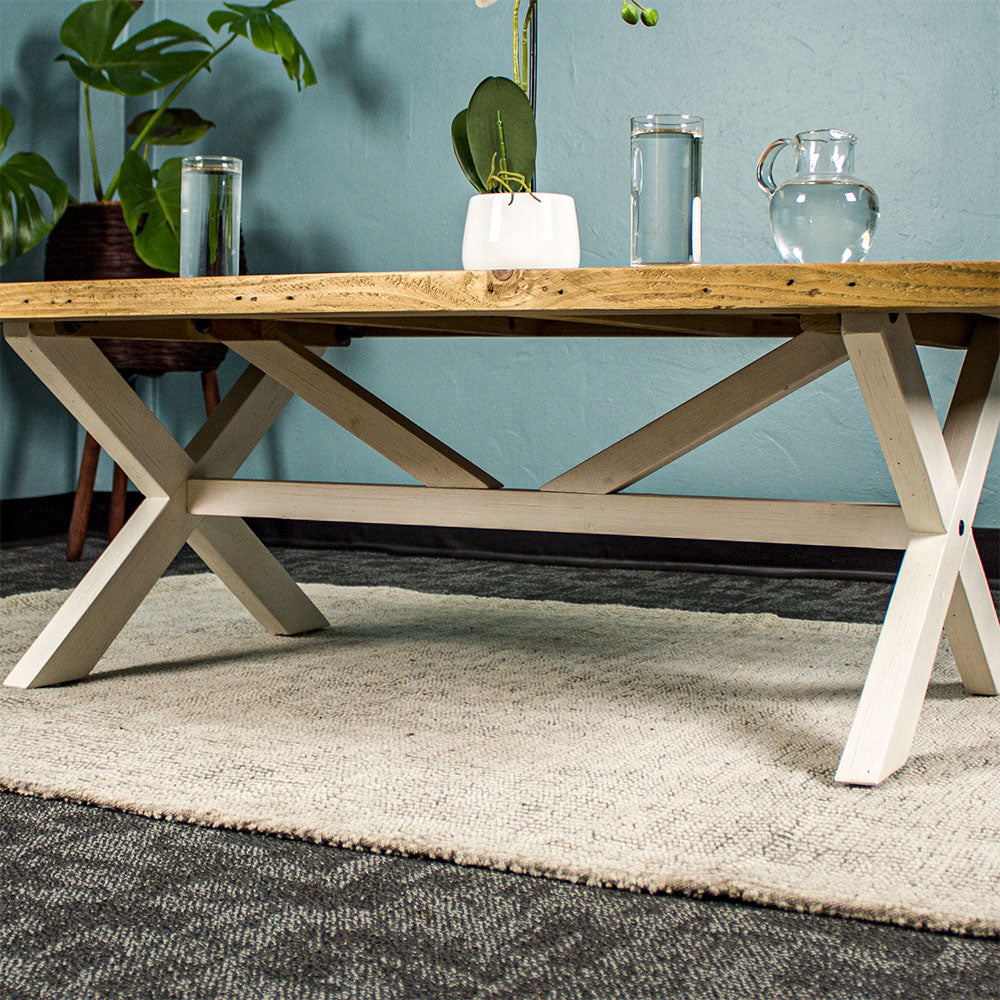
43	517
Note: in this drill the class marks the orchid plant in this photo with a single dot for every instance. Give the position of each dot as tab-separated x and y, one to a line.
494	138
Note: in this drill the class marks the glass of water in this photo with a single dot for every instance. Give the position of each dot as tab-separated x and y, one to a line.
211	191
666	189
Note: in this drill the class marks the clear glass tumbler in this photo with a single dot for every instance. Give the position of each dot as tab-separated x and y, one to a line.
211	191
666	189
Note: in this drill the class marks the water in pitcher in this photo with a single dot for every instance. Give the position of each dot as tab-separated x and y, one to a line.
666	197
824	212
815	221
210	218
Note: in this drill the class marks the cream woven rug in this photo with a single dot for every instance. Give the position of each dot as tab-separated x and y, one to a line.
648	749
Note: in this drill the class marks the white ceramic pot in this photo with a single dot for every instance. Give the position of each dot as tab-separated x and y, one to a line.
506	232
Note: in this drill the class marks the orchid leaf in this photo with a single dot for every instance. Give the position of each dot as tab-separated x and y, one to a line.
23	223
174	127
151	204
501	129
460	143
147	61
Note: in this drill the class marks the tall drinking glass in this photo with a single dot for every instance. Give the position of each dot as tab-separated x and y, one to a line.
211	191
666	189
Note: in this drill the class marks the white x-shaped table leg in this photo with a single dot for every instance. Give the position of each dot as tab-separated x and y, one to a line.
89	387
939	477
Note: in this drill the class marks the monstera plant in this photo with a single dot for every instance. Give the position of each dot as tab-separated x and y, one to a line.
167	56
22	219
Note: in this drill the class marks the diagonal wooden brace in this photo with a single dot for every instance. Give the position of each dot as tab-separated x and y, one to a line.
772	377
941	577
367	417
90	388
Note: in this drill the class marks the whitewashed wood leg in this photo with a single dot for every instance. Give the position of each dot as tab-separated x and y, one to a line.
970	432
882	733
77	372
238	557
81	630
972	628
940	576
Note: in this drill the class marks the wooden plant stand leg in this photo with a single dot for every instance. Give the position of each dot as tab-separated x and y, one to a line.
88	385
940	576
210	390
119	497
82	499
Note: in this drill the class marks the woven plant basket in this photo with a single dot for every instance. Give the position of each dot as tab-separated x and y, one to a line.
92	242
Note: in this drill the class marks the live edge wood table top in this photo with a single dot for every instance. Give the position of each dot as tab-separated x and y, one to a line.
870	315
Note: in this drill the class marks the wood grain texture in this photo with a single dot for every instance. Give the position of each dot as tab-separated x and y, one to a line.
946	286
802	522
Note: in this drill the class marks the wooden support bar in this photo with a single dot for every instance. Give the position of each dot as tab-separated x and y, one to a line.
261	584
363	414
103	404
753	388
96	611
892	382
802	522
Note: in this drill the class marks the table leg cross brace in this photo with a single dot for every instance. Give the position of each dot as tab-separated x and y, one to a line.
92	390
939	477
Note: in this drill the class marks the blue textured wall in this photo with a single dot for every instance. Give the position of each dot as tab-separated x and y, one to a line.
357	174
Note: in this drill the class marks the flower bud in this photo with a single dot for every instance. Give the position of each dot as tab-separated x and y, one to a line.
649	17
629	14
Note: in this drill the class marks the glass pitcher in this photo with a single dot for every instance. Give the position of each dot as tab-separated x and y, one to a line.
823	213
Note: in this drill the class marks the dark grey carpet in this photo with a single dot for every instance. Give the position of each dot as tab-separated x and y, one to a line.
96	903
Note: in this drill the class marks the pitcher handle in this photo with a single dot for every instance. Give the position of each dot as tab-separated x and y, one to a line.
766	164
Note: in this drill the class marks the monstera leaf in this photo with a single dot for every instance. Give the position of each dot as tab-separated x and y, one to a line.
22	221
173	127
151	204
269	33
147	61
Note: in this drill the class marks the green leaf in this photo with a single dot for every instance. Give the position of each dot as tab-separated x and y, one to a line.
151	204
6	127
24	221
460	143
268	32
175	127
147	61
500	98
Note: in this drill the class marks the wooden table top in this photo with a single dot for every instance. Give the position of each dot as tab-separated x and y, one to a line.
722	300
